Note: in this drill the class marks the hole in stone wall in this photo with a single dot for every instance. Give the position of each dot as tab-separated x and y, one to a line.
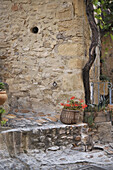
34	30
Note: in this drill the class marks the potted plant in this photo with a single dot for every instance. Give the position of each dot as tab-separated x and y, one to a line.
3	94
72	111
95	114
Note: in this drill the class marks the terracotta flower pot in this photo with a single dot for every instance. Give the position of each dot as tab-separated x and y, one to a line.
71	116
3	97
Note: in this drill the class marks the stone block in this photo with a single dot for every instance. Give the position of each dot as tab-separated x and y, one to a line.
72	82
78	5
76	63
110	106
69	49
104	132
64	13
72	28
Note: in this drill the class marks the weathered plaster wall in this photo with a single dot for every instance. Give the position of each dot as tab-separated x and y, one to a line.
30	63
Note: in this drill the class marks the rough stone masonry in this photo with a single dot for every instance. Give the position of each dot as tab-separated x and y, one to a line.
43	67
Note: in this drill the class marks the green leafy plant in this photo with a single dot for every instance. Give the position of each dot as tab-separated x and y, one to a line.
1	112
2	86
89	119
74	104
94	108
3	122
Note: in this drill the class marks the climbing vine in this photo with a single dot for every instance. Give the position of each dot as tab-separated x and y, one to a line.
102	10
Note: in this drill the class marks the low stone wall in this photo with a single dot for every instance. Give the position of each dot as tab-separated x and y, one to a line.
18	141
21	140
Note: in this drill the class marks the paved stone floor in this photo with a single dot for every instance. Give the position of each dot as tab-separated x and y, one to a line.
57	158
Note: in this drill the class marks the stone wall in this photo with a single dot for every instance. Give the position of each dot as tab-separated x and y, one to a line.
21	140
31	62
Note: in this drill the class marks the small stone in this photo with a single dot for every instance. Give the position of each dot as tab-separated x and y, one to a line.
53	119
111	145
89	156
24	111
62	159
14	7
108	150
4	119
26	49
48	114
41	114
100	155
107	160
39	124
77	138
54	148
20	116
41	121
16	110
30	118
57	116
99	146
11	116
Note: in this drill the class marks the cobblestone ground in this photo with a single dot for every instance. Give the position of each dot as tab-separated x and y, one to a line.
57	158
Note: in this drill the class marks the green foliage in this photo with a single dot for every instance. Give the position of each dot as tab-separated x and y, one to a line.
3	122
89	119
2	86
104	78
111	36
104	14
2	110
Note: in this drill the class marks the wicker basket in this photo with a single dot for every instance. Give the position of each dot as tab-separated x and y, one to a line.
71	116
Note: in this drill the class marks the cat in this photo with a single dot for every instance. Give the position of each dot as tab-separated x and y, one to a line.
86	140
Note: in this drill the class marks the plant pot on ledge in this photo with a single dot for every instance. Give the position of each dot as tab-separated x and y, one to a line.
92	117
71	116
72	111
3	94
3	97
